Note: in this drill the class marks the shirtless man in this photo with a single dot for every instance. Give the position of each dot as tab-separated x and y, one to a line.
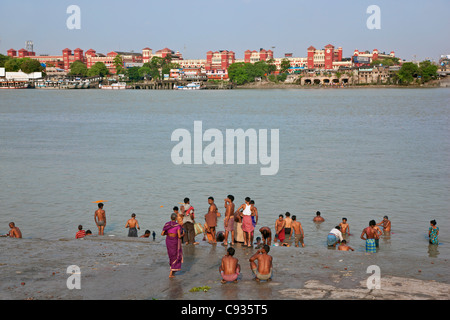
287	227
229	219
344	247
318	217
345	228
368	234
377	233
211	218
132	224
229	268
100	219
298	230
266	235
14	232
279	229
386	224
262	270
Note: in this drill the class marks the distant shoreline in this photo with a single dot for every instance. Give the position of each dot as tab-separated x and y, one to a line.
271	85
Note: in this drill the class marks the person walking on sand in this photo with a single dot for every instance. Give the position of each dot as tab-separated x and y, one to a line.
263	269
188	222
229	219
298	231
211	218
279	229
100	219
229	268
368	234
132	224
247	225
318	217
173	232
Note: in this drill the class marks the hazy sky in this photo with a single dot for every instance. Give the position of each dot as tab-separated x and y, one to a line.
193	27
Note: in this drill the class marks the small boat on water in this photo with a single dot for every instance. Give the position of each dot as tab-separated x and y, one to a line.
115	86
190	86
14	85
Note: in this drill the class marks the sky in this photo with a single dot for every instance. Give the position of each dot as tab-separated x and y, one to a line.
415	30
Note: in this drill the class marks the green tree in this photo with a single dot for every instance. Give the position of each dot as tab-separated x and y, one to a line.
134	73
285	65
238	73
427	70
271	67
13	65
98	69
29	65
3	60
118	64
78	68
408	72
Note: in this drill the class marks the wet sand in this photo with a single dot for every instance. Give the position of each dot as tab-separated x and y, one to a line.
137	269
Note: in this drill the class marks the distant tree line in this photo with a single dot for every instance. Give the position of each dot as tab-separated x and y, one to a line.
27	65
243	72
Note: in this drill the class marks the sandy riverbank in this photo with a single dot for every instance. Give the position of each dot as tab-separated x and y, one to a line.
120	268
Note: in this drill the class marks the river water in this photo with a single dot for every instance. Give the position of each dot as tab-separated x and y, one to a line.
354	153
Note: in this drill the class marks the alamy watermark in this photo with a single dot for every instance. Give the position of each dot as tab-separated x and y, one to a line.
189	149
74	20
374	20
374	281
74	280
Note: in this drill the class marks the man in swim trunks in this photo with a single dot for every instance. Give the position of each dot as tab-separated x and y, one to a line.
262	270
279	229
229	268
266	235
287	227
229	219
298	230
100	219
211	218
132	224
368	234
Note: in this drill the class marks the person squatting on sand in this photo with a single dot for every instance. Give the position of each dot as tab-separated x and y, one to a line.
229	268
263	269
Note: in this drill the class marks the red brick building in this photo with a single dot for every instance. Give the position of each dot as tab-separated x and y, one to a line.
217	63
324	58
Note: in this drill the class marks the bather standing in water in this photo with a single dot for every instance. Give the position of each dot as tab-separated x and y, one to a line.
132	224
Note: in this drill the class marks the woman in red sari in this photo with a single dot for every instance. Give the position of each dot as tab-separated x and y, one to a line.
173	232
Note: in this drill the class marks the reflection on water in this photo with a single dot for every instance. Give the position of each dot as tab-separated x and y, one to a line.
433	251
